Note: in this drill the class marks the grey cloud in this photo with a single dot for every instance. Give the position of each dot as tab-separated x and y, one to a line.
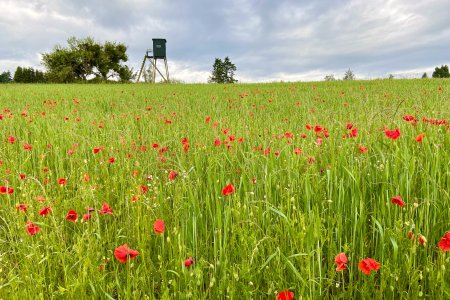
264	38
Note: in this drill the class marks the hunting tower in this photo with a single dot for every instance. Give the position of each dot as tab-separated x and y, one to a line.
158	53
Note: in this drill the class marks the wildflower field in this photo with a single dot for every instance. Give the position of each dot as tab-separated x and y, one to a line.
327	190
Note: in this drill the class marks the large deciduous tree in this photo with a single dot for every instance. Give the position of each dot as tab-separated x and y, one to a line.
223	71
85	58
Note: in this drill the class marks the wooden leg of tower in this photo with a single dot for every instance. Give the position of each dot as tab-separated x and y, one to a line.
154	70
167	69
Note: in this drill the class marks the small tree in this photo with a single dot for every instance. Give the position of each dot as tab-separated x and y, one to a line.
28	75
349	75
126	74
441	72
329	78
223	71
424	75
5	77
391	76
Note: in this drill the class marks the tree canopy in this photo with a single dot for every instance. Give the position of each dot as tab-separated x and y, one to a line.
85	59
329	77
349	75
5	77
28	75
223	71
441	72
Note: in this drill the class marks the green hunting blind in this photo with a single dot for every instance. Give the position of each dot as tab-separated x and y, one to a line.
158	53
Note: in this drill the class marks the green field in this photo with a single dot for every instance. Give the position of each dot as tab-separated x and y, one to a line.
301	196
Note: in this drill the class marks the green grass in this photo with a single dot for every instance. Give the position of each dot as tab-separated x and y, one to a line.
282	232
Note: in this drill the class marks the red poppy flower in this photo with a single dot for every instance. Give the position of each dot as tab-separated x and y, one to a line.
392	134
285	295
217	142
22	176
11	139
408	118
158	226
124	253
111	160
72	216
22	207
32	229
97	150
367	265
208	119
298	151
86	217
362	149
188	262
420	137
318	128
45	211
143	189
62	181
422	239
398	200
253	180
70	152
227	190
444	243
6	190
173	175
106	209
341	261
27	147
349	126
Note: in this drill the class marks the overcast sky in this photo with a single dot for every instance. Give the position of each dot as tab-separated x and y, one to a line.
268	40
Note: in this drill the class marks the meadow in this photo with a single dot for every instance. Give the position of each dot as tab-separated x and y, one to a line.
324	190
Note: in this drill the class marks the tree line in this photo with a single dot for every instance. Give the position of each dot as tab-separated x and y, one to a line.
439	72
86	60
